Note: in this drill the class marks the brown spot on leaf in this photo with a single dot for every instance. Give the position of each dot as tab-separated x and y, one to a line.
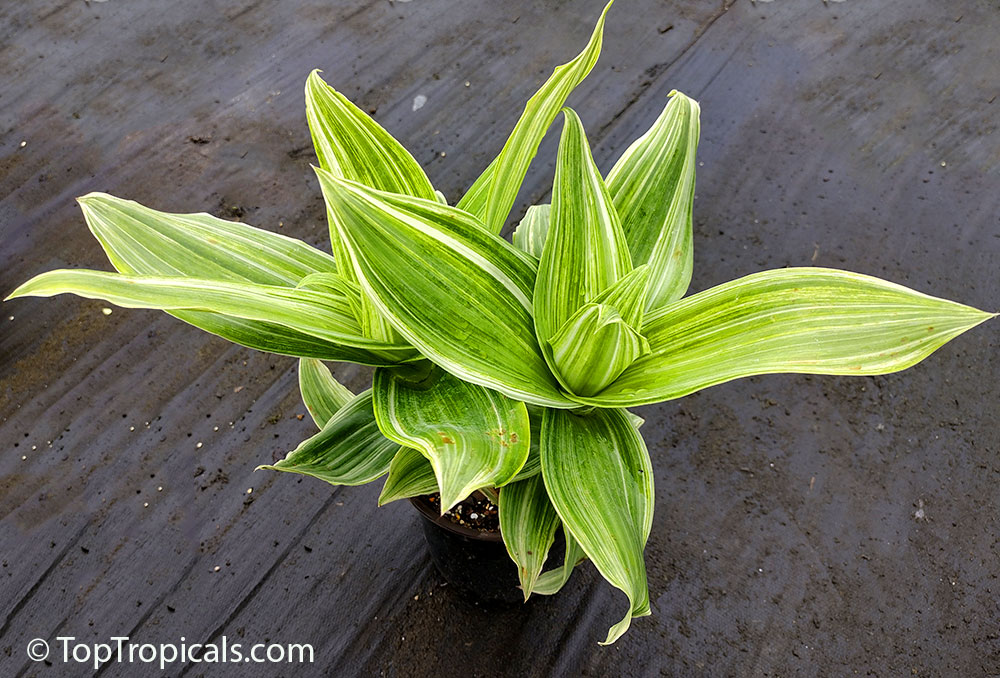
446	439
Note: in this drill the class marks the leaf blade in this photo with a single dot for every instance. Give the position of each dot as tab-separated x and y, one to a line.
322	395
473	437
349	450
410	475
598	476
528	524
141	241
530	234
351	145
311	313
585	250
551	582
808	320
594	347
493	194
441	278
652	186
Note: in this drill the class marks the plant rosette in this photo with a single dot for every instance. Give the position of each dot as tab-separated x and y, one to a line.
504	366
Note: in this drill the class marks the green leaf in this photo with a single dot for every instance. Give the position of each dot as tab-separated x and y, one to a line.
493	194
551	582
352	146
528	524
533	466
350	450
594	347
652	185
410	475
628	296
145	242
805	320
274	338
529	236
473	437
459	294
322	395
585	251
598	476
323	316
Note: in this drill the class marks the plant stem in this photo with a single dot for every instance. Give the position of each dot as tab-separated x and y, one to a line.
491	493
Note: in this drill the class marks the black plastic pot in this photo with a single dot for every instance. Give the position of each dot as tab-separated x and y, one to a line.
472	561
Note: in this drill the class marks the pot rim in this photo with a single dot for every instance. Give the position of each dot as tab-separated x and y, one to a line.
429	512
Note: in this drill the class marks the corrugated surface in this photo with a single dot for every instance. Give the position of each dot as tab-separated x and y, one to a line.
805	526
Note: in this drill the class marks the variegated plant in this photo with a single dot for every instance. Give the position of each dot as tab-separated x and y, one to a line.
504	367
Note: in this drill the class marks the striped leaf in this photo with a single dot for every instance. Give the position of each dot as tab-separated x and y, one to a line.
585	251
805	320
322	395
349	450
457	293
528	524
311	313
351	145
594	347
145	242
598	476
529	236
473	437
410	475
652	186
492	195
551	582
628	296
273	338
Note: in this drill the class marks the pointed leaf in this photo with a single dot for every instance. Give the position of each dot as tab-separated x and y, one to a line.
274	338
652	185
529	236
142	241
492	195
585	251
460	295
628	296
594	347
473	437
410	475
551	582
323	316
528	524
350	450
598	476
805	320
322	395
352	146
